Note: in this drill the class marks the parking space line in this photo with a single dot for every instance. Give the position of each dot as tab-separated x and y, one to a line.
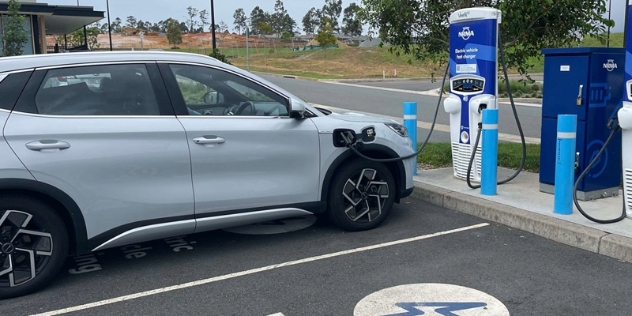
253	271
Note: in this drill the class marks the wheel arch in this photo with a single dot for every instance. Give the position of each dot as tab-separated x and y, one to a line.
65	206
373	151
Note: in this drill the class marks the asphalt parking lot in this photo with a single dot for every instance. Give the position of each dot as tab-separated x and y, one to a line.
321	270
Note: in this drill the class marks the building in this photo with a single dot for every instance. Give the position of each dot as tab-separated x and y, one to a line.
43	19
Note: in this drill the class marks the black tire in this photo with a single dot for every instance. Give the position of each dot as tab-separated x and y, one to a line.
27	223
374	191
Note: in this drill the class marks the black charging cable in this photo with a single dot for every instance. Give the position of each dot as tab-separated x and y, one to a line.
615	130
351	145
480	129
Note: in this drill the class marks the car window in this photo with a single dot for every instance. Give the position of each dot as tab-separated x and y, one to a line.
208	91
119	90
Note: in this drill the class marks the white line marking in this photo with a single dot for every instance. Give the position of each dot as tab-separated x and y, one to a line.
277	314
253	271
434	92
438	127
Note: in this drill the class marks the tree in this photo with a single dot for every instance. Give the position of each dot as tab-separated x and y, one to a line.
174	32
288	25
15	36
352	25
116	25
240	20
131	22
204	16
265	29
326	36
257	16
76	38
311	20
332	10
278	17
191	23
142	25
420	29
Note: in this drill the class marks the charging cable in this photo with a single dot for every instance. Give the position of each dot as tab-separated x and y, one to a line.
480	129
349	138
615	130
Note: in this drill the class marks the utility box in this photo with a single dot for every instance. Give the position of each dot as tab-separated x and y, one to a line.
589	83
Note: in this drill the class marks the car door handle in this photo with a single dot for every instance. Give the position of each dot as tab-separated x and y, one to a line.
47	145
209	140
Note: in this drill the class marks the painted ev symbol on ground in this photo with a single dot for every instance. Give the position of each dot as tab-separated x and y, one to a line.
430	299
281	226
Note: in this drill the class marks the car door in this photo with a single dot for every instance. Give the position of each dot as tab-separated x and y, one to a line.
247	153
108	137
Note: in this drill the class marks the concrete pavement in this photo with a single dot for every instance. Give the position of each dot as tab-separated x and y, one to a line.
521	205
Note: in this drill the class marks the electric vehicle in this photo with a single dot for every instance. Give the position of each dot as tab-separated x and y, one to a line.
166	144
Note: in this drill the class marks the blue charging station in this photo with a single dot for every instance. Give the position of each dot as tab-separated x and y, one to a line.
585	82
473	81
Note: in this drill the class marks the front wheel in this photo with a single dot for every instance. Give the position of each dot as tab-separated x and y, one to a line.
361	195
33	245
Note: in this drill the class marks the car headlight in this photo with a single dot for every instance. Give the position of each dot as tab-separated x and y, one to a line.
401	130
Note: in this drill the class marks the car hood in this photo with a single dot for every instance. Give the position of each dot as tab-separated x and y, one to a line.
350	116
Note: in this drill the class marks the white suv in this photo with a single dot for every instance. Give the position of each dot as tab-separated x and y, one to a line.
145	145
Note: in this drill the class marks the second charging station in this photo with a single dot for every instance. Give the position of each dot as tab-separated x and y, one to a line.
473	81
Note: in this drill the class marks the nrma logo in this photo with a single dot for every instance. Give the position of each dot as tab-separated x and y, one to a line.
466	33
610	65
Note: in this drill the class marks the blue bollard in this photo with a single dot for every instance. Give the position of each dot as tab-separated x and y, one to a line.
410	122
489	156
565	164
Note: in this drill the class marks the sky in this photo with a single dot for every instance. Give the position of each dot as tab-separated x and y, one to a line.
156	10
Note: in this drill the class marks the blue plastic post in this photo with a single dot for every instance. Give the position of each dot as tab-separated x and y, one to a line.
489	156
565	164
410	122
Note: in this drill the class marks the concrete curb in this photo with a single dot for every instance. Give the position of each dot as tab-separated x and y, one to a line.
551	228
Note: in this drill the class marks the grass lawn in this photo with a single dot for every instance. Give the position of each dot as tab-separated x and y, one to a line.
509	156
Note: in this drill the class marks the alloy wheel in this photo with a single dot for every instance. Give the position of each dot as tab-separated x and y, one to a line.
365	195
25	248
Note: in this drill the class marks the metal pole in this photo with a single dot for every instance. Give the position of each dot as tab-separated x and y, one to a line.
107	2
625	29
213	25
248	47
609	18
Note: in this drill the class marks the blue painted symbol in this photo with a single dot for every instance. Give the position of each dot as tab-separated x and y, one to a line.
600	94
594	147
444	309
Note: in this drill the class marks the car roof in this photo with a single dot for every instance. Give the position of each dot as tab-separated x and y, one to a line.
9	64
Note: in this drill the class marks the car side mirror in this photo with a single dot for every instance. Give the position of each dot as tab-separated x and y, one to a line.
297	109
211	97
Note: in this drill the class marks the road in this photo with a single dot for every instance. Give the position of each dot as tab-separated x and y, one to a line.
389	103
321	270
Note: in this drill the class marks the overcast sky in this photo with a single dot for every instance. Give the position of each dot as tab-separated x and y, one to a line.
156	10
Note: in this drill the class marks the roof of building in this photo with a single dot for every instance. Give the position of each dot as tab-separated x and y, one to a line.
59	19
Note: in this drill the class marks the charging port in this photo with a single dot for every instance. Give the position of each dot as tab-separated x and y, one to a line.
344	137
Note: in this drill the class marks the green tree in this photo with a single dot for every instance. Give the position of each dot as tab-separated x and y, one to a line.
326	36
311	21
15	36
191	23
174	33
131	22
257	16
352	25
420	28
240	20
265	29
332	10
